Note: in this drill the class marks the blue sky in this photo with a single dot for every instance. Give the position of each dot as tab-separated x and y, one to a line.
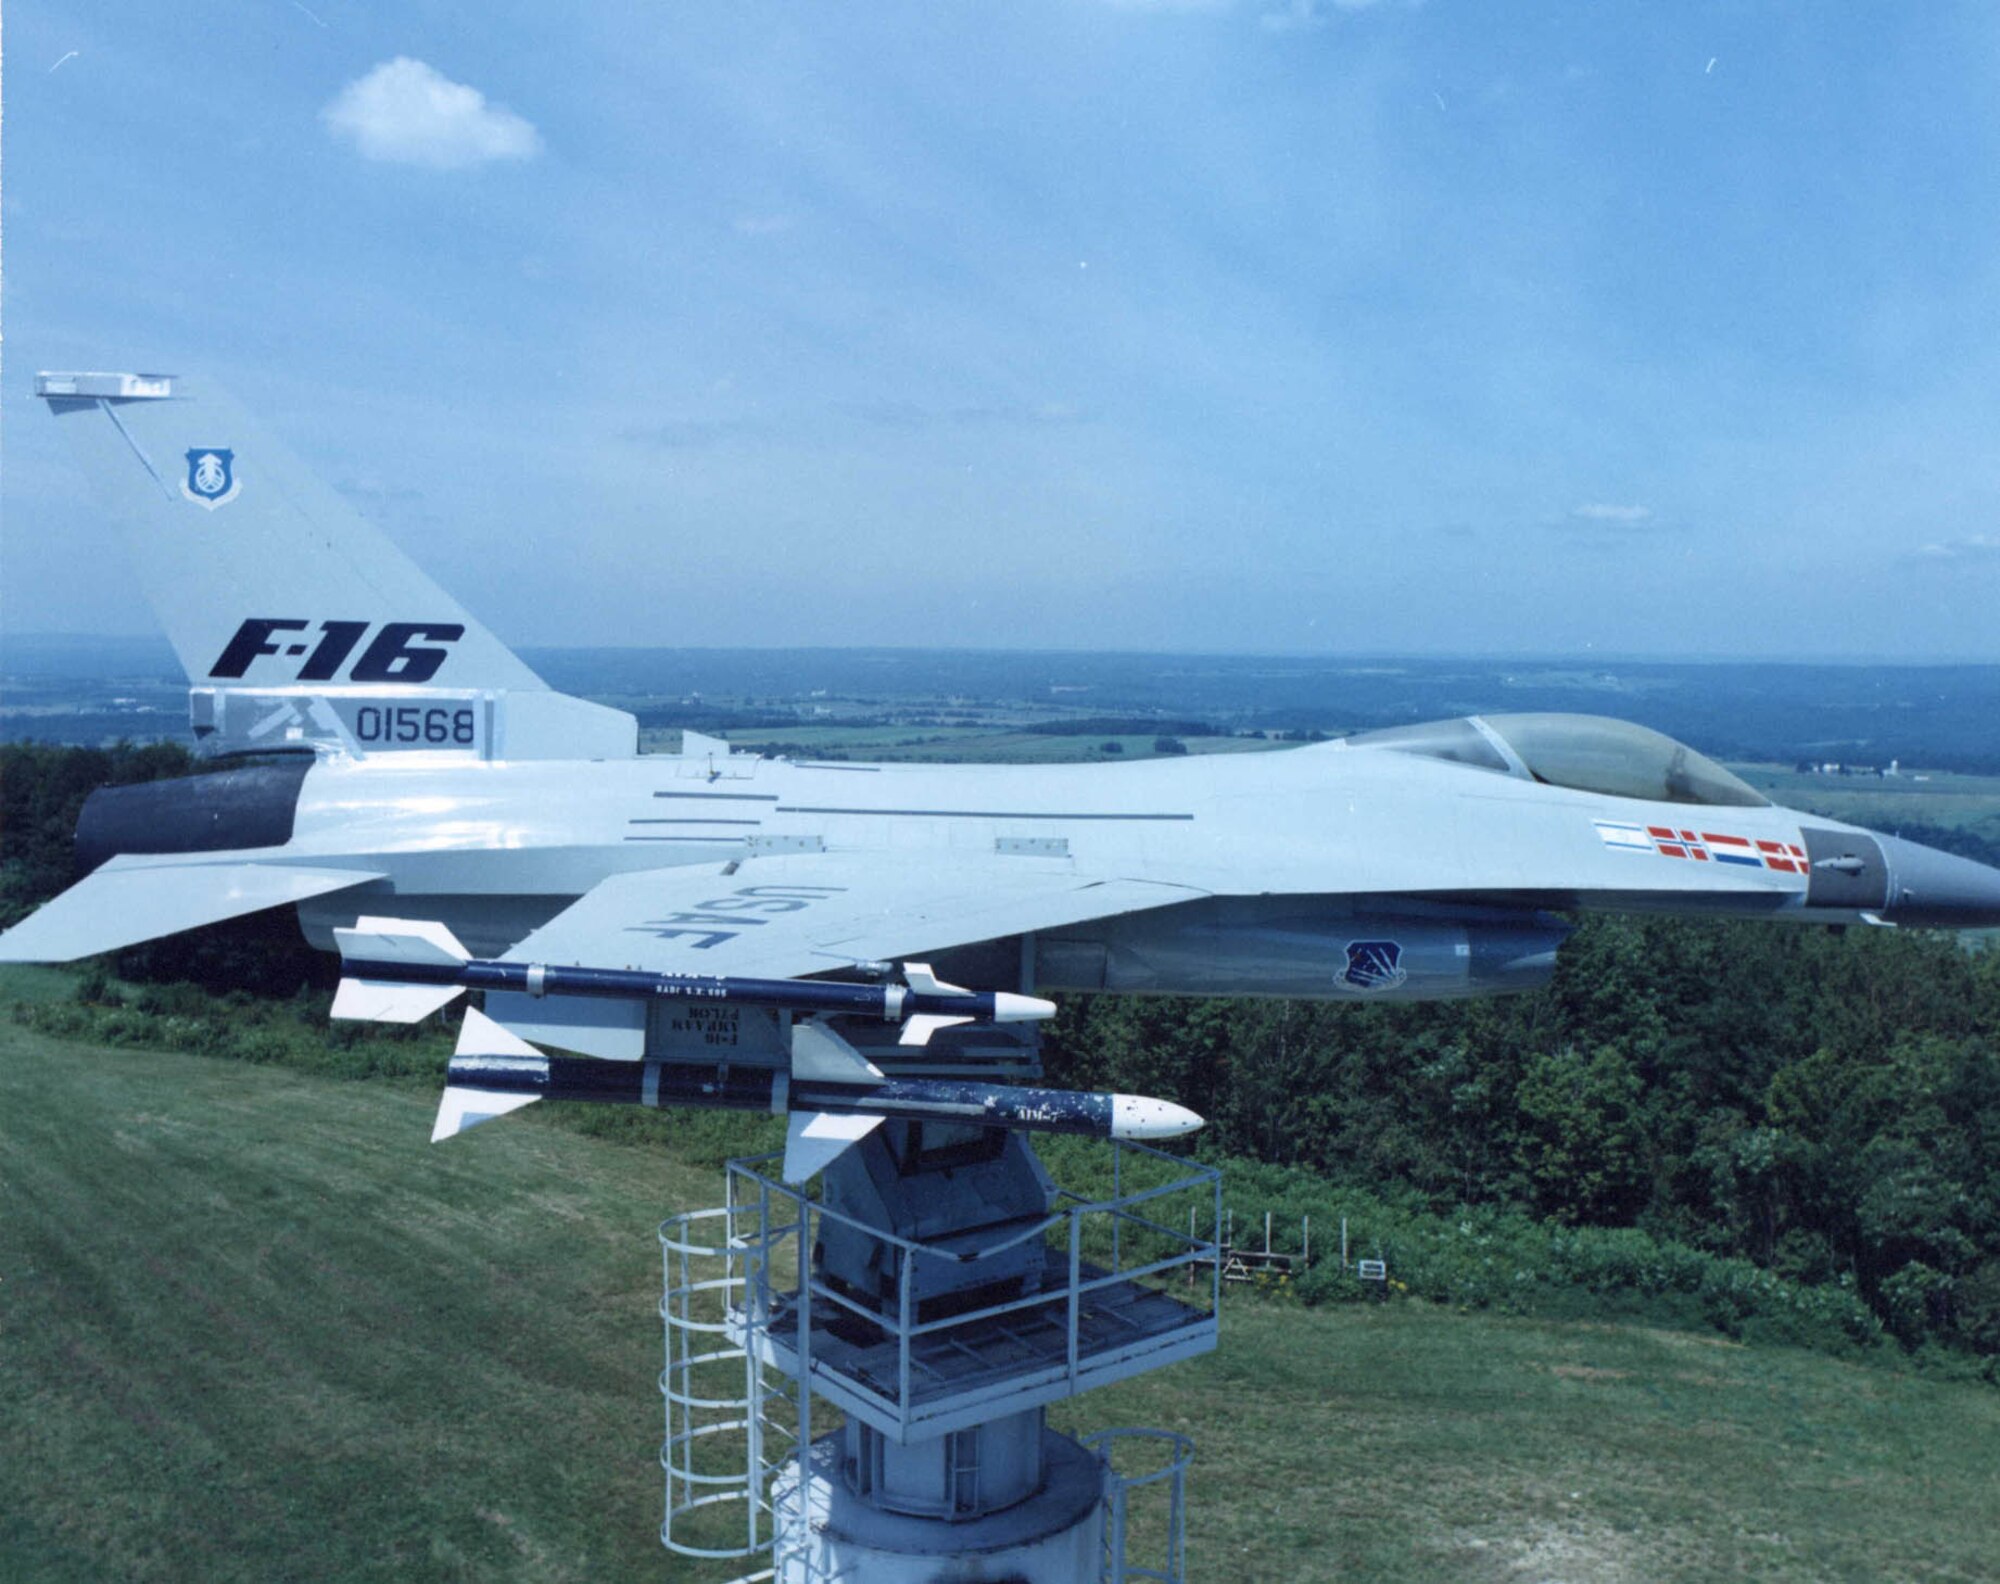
1267	326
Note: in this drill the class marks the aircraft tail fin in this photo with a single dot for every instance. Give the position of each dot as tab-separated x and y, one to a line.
300	625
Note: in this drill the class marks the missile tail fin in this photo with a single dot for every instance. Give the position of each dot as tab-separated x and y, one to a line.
819	1055
400	941
390	1001
479	1035
815	1139
460	1108
387	940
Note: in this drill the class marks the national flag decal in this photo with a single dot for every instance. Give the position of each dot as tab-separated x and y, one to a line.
1692	846
1732	850
1630	838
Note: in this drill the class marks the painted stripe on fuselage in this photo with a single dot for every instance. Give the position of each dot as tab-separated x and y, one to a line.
994	814
711	820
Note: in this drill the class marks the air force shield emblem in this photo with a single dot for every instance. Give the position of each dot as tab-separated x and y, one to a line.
211	478
1375	965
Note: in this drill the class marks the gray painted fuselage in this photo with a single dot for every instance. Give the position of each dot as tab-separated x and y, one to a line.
1270	864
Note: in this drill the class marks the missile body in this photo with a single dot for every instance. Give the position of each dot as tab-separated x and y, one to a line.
889	1002
400	970
754	1088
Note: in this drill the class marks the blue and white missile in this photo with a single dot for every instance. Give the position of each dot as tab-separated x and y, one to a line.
833	1096
402	970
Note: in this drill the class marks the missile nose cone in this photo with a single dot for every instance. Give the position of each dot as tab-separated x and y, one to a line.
1940	889
1009	1008
1143	1117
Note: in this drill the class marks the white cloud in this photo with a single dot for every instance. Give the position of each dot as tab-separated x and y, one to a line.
1974	547
1302	16
1617	516
412	114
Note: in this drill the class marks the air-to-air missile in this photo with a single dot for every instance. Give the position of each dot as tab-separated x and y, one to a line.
832	1094
402	970
730	1087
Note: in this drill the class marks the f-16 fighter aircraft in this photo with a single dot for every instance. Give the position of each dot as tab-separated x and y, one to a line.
435	811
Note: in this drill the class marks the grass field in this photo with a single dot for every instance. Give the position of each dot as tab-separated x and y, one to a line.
253	1327
1958	802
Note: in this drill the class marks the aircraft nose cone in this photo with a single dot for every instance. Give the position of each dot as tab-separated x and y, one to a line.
1928	887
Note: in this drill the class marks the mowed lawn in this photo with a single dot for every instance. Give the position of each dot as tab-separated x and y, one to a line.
253	1326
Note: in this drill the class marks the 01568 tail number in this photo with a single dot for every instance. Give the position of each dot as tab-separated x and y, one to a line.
455	727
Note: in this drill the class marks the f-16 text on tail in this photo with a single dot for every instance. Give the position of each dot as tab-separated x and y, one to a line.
399	763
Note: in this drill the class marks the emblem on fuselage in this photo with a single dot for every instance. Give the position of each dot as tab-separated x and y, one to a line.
1375	965
211	477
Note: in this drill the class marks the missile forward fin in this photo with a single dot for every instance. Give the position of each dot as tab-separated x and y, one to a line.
920	979
920	1026
815	1139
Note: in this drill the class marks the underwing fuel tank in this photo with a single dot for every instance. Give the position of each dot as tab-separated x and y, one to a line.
1209	949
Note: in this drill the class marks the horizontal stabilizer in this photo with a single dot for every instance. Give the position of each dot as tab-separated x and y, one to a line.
460	1108
815	1139
390	1000
118	907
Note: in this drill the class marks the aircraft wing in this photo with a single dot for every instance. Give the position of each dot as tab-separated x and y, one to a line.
118	907
790	915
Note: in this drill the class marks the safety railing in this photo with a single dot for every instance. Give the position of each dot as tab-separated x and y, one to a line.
1172	1453
1099	1309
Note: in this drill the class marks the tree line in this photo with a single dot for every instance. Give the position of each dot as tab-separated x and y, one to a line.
1824	1105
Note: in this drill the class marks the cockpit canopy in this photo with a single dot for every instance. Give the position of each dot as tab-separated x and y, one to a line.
1587	752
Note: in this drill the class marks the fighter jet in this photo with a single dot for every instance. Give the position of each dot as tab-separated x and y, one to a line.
390	760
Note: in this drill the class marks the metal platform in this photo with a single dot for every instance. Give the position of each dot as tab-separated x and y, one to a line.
1078	1323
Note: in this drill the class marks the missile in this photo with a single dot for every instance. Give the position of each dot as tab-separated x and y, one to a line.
833	1096
402	970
